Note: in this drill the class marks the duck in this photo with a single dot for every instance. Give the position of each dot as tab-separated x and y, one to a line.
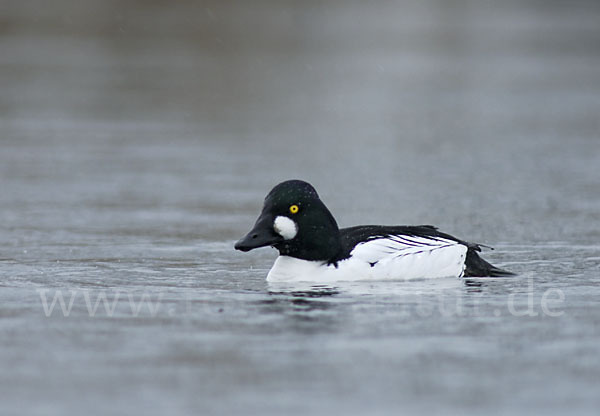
312	248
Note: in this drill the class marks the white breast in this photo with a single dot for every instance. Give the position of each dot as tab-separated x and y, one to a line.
386	258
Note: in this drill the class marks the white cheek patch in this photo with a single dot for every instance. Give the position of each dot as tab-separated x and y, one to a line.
285	227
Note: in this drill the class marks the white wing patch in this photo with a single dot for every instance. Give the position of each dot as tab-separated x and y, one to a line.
396	257
407	256
398	245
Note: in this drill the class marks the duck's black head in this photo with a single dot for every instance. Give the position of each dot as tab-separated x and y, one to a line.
296	222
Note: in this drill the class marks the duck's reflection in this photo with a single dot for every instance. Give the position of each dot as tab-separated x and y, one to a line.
473	286
299	290
304	299
305	308
310	308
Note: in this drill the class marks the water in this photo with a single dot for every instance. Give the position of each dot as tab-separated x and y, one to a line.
137	143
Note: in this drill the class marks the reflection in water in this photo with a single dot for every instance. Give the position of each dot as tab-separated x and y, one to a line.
301	289
307	298
473	285
367	287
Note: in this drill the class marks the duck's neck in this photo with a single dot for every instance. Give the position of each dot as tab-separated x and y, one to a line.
319	241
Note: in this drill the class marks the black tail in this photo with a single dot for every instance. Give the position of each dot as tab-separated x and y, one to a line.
478	267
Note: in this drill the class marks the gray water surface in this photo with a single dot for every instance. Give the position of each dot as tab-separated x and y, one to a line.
138	140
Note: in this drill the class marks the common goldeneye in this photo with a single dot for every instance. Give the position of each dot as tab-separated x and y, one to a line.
311	247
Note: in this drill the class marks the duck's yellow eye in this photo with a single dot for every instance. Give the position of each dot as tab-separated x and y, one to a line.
294	209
